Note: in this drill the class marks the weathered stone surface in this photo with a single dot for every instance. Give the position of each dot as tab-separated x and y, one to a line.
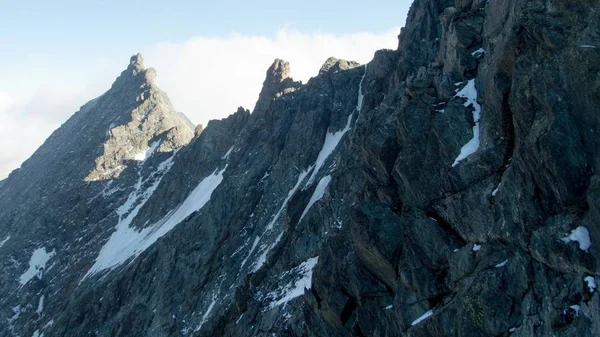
364	241
277	82
151	119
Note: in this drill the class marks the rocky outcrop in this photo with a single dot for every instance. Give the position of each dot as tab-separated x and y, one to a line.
277	82
334	65
150	124
447	188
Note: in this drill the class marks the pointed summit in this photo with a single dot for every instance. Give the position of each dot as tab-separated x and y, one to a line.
138	115
137	61
278	71
277	82
135	74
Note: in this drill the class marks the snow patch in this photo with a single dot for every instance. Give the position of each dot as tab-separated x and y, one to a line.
587	46
494	192
331	142
478	52
296	288
4	241
207	313
575	307
317	194
476	247
16	313
289	196
40	307
388	307
422	318
142	156
470	93
263	257
127	242
256	240
591	283
228	153
37	333
37	265
502	264
581	235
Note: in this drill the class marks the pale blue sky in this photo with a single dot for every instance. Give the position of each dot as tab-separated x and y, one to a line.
210	57
32	30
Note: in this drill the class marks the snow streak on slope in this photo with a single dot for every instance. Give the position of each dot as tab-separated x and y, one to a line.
263	257
4	241
422	318
142	156
333	139
127	242
470	93
290	194
207	313
37	265
296	288
228	153
331	142
317	194
361	96
267	248
118	247
40	307
256	240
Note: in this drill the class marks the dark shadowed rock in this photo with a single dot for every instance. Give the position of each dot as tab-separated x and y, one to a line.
448	188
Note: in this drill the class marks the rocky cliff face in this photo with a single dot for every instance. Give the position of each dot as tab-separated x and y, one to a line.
447	188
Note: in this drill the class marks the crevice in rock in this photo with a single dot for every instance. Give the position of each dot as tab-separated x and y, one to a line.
447	227
348	310
449	194
437	299
509	130
357	331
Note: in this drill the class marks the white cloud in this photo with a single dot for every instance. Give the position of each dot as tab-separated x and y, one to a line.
205	77
208	78
5	102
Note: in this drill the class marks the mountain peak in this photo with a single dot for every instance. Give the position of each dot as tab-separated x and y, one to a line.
135	74
277	82
143	115
137	61
334	65
278	71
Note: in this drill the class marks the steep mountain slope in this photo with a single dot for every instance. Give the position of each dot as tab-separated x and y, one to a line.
448	188
58	205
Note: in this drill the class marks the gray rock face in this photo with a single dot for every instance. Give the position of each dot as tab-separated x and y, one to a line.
152	120
277	82
448	188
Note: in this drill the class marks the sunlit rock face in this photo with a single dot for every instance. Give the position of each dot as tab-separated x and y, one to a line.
447	188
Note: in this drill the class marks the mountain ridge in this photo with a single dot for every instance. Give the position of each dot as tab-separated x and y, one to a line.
453	177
